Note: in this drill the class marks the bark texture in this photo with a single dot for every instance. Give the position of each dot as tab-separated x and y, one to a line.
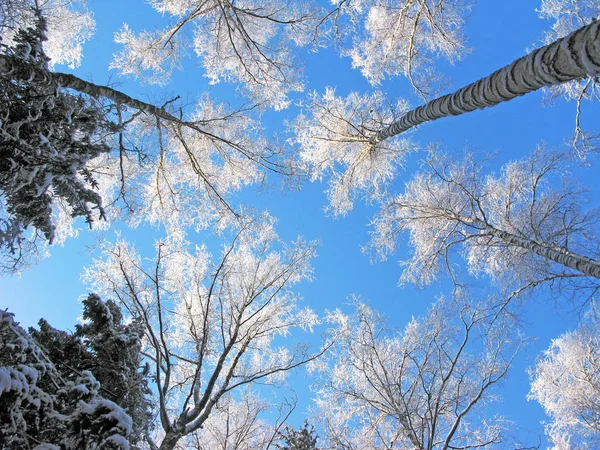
17	69
170	440
570	58
562	256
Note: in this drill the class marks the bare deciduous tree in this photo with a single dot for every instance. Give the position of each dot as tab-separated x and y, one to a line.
421	388
566	382
211	327
518	227
392	38
245	42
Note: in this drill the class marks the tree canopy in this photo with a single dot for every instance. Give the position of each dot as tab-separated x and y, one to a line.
172	133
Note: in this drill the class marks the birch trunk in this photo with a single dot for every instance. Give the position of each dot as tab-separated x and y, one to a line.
17	69
582	264
570	58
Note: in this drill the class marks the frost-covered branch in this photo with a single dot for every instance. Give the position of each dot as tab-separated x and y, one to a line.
333	135
245	42
420	388
210	326
514	226
566	382
390	38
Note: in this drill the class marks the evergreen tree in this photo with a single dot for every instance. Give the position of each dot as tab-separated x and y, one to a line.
44	410
110	350
47	138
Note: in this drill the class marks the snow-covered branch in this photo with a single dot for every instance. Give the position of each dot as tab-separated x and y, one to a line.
420	388
513	227
210	326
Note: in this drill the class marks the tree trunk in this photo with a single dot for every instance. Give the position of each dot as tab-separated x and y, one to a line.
412	437
573	57
169	441
14	68
562	256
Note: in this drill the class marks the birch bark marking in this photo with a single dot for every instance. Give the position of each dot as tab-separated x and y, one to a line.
562	256
570	58
17	69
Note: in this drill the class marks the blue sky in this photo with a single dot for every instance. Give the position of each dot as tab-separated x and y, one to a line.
498	33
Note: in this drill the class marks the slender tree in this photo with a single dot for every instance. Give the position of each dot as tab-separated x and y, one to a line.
420	388
517	227
210	326
567	16
220	148
566	382
572	57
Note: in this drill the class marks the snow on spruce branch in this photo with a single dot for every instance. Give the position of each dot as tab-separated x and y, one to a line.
48	139
42	409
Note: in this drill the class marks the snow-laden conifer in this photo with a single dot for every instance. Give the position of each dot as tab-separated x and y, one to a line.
47	140
43	408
